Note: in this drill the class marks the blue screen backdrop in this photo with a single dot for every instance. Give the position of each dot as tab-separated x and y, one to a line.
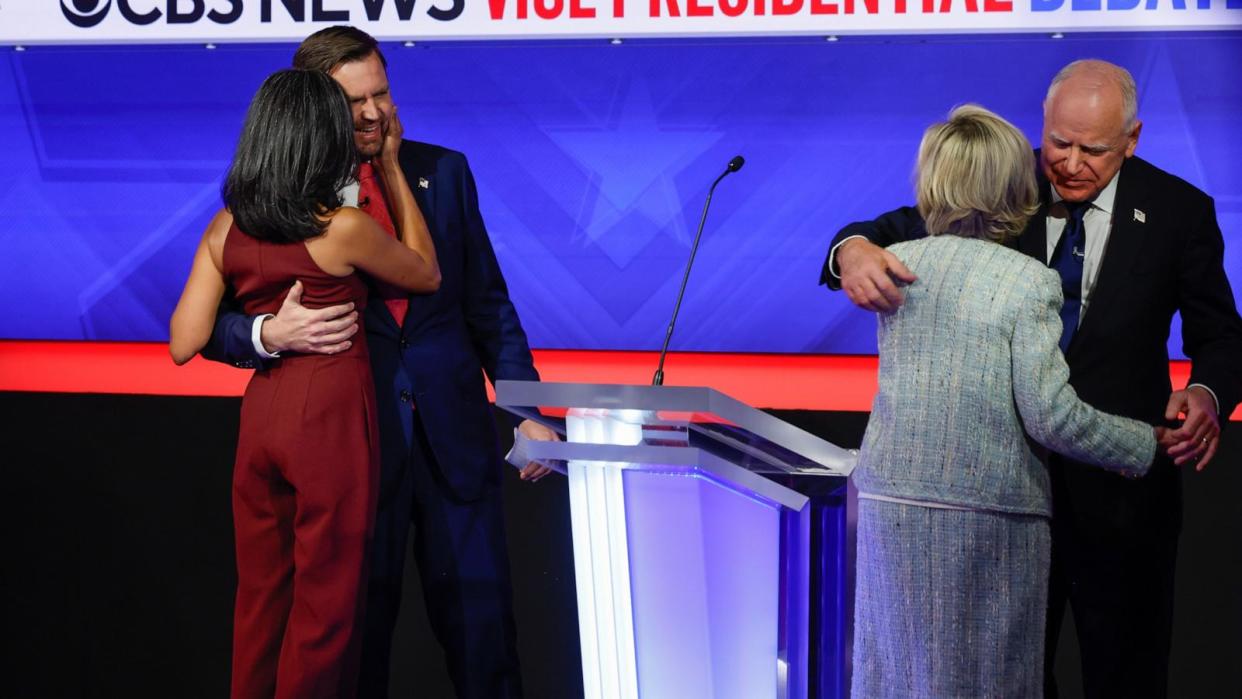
592	162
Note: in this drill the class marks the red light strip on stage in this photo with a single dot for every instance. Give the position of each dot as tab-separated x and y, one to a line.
785	381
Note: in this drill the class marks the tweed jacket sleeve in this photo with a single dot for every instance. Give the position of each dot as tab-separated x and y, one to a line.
1050	409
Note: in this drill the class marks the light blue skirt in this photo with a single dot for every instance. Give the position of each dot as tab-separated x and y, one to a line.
949	603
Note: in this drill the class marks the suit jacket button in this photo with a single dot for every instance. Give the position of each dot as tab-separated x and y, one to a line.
404	343
406	397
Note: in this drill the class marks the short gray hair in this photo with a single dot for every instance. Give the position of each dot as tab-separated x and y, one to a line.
976	176
1114	73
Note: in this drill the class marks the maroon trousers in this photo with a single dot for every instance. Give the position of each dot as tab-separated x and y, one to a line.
304	498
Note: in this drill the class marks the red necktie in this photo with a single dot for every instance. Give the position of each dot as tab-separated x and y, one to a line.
371	200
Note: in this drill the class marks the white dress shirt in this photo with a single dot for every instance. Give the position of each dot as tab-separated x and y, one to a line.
1097	223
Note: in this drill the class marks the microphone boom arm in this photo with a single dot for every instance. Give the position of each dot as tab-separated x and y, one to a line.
734	166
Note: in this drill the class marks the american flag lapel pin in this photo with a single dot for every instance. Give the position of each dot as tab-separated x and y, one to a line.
424	184
1140	216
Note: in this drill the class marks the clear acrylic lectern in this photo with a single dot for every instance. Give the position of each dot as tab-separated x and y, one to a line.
711	552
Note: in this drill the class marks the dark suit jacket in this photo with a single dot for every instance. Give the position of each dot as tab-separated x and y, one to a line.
448	339
1171	260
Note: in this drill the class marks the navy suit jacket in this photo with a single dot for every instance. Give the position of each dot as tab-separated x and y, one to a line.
436	359
1165	254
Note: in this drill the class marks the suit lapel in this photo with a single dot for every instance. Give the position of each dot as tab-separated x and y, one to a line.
423	186
420	173
1034	240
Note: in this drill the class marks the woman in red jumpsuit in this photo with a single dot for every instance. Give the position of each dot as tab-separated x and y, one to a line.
306	474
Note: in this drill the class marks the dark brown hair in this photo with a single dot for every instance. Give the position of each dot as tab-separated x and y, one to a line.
328	49
295	153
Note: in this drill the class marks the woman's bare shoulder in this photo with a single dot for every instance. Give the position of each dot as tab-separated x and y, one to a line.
219	227
216	233
347	231
347	223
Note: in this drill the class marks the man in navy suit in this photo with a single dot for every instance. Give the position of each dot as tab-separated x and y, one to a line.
1145	245
440	466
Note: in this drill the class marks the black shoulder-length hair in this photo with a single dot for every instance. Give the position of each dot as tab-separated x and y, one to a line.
295	153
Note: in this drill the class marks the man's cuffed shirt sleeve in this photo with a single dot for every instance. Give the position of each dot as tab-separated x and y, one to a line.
1210	393
256	339
833	269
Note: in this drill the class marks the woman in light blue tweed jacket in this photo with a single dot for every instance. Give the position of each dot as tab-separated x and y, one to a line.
953	537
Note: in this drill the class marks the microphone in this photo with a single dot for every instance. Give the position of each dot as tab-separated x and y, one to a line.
733	166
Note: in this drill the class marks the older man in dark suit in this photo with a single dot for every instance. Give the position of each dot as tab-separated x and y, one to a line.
1133	245
440	468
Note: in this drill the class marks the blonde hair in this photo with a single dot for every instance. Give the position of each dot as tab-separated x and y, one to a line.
975	176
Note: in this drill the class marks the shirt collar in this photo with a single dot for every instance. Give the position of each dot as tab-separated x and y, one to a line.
1103	201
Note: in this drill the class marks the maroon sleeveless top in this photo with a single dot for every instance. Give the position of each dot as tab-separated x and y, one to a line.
261	272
